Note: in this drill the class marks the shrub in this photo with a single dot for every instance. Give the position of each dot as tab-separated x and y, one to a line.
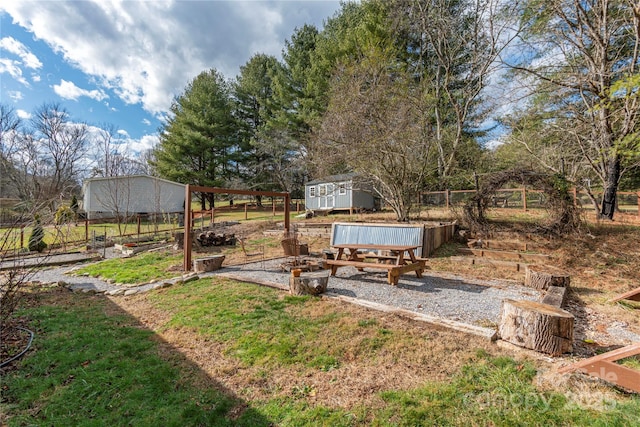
36	241
64	215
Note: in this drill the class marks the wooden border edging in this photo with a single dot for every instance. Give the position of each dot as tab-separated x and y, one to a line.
633	295
487	333
603	366
266	283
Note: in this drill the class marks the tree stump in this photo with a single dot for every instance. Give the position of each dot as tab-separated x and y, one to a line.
208	263
543	276
556	296
537	326
309	283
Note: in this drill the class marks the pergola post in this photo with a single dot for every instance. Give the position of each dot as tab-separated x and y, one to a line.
187	229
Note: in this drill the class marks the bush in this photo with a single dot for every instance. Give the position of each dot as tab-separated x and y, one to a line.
64	215
36	241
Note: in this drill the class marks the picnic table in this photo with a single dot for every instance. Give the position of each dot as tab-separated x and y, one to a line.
397	259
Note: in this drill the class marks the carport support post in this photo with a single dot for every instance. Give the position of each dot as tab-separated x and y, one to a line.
187	229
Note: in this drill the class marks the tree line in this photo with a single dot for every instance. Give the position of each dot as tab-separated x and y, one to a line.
401	93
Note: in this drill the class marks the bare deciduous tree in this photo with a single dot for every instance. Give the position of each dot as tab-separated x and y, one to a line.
61	145
453	47
374	126
580	52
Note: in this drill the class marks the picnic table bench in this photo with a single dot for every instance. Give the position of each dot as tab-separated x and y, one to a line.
396	264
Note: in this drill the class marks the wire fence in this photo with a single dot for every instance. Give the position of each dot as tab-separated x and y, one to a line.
524	199
16	230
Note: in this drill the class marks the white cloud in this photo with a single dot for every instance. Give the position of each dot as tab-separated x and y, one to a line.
146	122
12	45
69	90
123	132
147	51
35	77
13	69
24	115
15	95
143	144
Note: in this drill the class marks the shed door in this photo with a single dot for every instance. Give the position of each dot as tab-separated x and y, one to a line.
327	199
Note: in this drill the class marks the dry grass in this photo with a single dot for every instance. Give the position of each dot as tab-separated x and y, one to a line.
602	264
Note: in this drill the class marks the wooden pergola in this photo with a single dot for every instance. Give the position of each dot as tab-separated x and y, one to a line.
189	189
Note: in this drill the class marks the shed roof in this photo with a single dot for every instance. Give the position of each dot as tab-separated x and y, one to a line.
141	176
333	178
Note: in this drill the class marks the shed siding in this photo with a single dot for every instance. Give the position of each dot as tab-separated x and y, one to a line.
363	200
131	195
311	203
353	198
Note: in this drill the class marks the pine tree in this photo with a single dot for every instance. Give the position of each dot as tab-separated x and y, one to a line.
36	240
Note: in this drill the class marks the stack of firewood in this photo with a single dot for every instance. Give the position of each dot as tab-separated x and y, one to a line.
210	238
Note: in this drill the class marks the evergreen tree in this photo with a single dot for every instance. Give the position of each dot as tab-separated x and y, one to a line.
199	141
253	94
36	240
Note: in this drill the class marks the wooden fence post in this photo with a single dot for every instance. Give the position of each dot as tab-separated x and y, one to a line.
446	198
524	198
86	231
575	197
245	211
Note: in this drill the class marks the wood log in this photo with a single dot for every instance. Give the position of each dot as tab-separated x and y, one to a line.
308	283
543	276
556	296
537	326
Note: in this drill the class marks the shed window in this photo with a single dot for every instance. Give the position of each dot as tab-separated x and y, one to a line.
342	188
312	191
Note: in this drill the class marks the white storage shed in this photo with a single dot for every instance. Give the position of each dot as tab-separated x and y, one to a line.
128	195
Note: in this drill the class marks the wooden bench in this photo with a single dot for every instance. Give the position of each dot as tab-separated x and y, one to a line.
394	271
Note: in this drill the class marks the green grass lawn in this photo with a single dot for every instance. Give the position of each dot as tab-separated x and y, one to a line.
92	363
142	268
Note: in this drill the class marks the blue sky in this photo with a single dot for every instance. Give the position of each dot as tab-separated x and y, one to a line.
122	62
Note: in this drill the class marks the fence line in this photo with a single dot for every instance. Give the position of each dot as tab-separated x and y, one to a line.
523	198
136	225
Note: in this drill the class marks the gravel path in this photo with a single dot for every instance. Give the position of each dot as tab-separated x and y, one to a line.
461	299
443	298
439	295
